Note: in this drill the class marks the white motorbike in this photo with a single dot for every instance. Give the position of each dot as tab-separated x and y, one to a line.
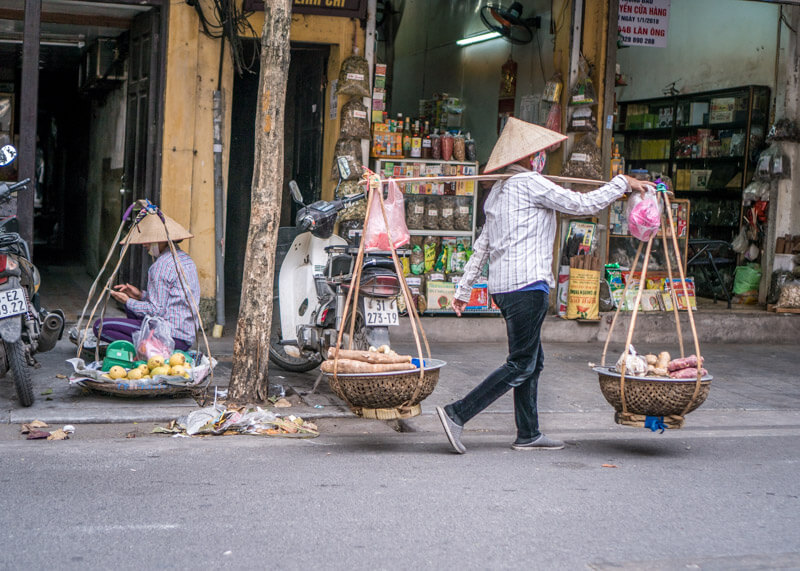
313	282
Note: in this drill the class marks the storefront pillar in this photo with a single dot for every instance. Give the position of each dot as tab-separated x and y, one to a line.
785	204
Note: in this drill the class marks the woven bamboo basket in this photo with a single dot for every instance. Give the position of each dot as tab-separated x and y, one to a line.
381	395
652	396
163	390
638	400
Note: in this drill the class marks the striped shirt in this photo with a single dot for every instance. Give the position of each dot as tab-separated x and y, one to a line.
164	295
520	230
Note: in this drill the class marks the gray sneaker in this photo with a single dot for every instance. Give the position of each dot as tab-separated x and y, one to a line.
452	430
541	443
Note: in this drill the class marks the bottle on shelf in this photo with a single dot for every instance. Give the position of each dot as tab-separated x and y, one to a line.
617	162
427	149
416	142
407	138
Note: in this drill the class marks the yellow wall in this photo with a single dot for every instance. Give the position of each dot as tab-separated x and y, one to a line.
187	185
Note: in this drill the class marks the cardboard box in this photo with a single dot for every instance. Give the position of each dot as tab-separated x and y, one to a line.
678	294
440	295
479	300
699	179
722	109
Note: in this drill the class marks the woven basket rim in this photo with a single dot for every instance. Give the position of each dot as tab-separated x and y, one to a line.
432	365
112	389
612	372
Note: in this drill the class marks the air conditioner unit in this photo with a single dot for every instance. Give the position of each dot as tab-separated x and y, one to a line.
102	63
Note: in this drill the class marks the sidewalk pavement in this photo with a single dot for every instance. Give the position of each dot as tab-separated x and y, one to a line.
754	385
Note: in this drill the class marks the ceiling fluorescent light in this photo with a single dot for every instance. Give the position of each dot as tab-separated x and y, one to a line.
469	40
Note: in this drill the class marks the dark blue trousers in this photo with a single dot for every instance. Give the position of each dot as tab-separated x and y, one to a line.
524	312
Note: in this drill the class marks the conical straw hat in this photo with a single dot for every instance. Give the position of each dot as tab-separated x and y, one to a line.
151	229
518	140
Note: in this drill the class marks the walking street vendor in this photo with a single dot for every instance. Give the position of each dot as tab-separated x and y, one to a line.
164	296
517	241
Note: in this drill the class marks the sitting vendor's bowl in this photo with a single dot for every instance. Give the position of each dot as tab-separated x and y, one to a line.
386	390
652	396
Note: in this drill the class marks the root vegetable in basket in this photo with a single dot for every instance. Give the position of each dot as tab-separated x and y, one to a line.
684	363
352	366
688	373
374	357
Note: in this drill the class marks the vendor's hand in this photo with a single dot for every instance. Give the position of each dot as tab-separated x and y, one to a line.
640	186
459	306
129	290
120	296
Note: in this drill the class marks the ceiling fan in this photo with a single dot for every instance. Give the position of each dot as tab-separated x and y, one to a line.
509	23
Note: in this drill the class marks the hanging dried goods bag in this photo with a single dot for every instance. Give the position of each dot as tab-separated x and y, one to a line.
350	149
585	161
355	123
354	77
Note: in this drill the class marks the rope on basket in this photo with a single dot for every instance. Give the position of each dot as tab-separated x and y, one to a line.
667	230
375	188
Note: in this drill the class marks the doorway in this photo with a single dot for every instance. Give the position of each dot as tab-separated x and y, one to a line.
303	135
82	112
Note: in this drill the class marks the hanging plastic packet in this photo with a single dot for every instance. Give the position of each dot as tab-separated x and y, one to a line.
355	123
354	76
459	148
583	91
644	215
350	149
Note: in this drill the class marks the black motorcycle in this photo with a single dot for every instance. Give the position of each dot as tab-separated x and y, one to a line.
26	328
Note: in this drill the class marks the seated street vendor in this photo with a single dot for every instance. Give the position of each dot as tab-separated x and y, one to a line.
165	295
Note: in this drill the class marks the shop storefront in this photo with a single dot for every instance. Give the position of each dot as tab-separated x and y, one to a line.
689	98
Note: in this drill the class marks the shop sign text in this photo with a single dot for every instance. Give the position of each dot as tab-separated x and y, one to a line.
644	23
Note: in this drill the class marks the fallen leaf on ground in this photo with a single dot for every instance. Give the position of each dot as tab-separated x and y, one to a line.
47	392
609	466
38	434
61	376
282	403
130	435
58	435
28	427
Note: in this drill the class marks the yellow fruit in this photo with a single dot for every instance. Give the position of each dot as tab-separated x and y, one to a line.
155	361
144	369
159	371
117	372
135	374
177	370
177	359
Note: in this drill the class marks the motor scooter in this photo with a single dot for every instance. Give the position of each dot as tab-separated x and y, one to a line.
25	327
313	283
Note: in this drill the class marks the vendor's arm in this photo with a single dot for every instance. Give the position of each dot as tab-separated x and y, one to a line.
472	271
152	299
548	194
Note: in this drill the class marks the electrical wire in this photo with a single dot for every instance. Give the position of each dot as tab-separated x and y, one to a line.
231	23
786	21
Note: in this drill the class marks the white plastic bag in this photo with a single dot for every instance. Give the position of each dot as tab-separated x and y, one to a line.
375	233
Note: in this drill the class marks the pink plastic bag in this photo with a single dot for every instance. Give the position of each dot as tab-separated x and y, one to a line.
375	235
153	338
644	215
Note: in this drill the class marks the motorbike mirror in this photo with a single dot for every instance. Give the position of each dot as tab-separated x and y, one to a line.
7	155
297	196
344	168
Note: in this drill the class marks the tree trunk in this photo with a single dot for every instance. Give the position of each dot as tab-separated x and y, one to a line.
249	378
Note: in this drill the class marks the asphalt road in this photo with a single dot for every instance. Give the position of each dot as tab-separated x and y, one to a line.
363	496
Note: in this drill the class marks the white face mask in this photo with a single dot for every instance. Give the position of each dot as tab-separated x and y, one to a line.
153	250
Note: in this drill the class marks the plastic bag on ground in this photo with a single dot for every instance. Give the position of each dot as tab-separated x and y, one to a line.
153	338
644	215
375	233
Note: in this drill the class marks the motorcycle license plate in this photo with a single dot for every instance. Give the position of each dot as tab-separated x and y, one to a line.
12	302
380	312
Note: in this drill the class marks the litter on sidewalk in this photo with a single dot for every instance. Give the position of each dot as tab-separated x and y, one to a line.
221	420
